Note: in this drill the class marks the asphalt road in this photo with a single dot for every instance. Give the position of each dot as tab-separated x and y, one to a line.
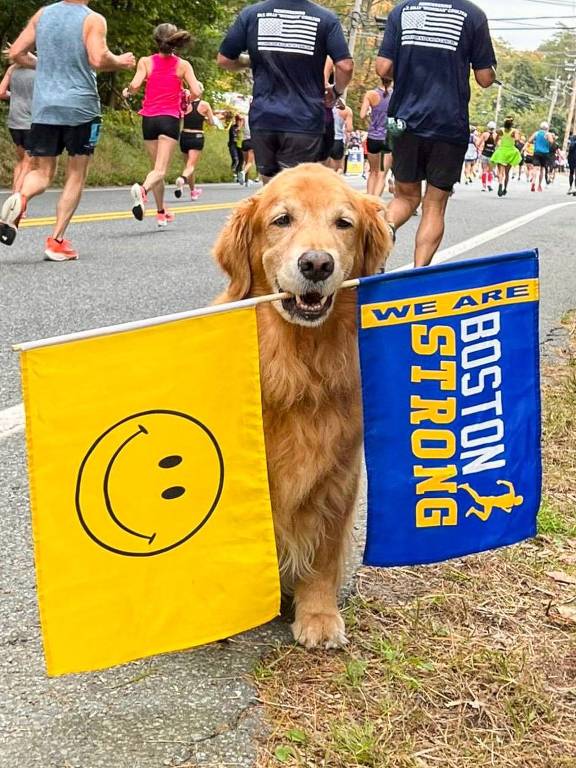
195	707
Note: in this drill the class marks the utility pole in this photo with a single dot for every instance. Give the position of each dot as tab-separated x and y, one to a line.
572	111
355	24
555	91
498	102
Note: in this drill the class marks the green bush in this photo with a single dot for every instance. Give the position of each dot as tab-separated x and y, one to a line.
121	158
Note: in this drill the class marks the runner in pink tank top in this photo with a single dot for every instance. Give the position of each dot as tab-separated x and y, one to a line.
163	92
164	74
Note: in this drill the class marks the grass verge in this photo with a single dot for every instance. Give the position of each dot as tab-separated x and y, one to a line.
467	664
121	158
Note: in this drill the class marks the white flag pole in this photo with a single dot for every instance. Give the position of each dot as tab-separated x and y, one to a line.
109	330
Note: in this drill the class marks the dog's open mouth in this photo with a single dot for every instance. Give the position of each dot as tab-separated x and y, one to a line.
308	306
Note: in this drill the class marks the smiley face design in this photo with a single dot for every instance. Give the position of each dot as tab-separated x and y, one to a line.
149	483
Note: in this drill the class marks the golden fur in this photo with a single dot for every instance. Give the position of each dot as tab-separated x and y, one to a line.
309	374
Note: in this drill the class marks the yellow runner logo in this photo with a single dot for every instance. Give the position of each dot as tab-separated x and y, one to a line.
506	501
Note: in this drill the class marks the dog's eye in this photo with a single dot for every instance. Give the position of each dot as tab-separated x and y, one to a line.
282	221
343	224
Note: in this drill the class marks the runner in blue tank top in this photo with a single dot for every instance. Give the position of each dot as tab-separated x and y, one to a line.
65	110
542	140
375	105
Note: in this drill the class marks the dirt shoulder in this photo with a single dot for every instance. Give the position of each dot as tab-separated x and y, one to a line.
467	664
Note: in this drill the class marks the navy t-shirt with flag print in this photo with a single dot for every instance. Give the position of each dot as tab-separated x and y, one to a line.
433	45
288	42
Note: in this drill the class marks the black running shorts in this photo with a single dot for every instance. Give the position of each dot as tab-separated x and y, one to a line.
540	160
247	145
418	159
20	137
191	141
51	140
377	146
276	151
327	143
160	125
337	150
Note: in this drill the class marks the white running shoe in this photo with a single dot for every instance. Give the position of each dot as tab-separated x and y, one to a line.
139	198
180	184
12	211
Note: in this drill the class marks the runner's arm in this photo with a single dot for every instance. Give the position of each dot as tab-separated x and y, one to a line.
231	55
99	55
350	122
138	79
190	79
482	56
365	108
384	67
481	143
339	57
234	65
5	83
343	71
328	71
24	44
485	77
207	112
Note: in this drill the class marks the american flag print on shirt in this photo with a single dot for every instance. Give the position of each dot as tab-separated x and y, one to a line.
432	25
287	31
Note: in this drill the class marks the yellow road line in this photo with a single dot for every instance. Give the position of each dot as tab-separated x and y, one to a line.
84	218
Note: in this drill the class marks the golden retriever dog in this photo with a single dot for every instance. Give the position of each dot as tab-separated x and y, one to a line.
304	234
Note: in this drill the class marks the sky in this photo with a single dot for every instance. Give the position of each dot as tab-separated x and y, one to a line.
529	37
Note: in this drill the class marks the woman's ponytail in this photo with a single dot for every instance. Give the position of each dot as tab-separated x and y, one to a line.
169	38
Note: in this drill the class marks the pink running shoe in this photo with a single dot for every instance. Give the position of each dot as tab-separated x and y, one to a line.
195	193
163	219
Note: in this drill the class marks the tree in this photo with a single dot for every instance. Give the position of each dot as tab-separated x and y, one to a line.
130	26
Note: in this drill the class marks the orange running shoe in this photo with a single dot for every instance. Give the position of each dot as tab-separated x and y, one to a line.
163	219
59	251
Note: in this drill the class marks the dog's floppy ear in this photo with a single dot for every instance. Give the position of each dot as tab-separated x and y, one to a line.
377	237
232	249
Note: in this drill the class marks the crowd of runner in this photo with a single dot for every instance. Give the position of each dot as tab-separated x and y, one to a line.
175	115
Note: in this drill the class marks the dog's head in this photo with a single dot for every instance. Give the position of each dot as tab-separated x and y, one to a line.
303	234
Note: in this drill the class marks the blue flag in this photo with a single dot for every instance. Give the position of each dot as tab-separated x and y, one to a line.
450	383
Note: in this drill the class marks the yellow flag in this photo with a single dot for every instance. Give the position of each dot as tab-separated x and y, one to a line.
150	504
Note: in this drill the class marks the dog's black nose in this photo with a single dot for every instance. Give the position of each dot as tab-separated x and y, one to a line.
316	265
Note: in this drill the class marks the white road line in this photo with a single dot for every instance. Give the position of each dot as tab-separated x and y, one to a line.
12	419
490	234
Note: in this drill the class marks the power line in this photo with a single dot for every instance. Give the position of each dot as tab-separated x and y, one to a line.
529	18
532	29
564	3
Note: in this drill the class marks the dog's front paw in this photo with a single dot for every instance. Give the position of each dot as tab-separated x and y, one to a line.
320	630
